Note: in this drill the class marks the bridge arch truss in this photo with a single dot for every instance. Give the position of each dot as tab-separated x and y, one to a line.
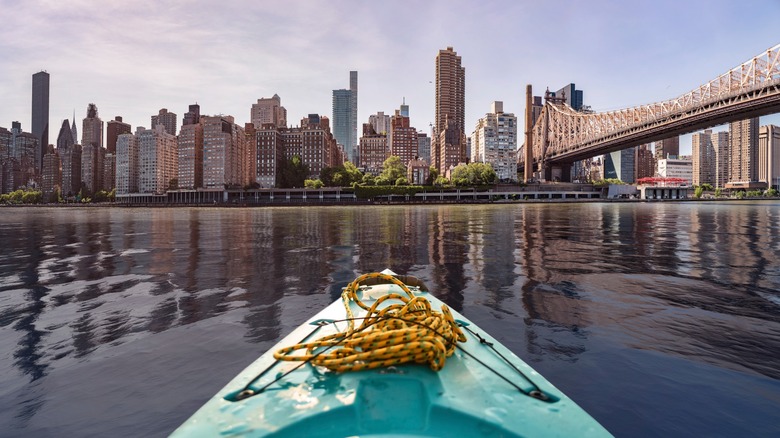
562	135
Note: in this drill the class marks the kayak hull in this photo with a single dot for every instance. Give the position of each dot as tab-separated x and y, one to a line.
470	396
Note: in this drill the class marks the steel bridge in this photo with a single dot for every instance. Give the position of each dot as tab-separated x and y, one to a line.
562	135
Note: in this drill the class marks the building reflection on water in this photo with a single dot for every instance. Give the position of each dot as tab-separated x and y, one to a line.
73	280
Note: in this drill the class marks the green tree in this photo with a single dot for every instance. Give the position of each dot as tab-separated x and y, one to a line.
392	170
608	181
368	180
352	173
433	174
341	176
327	175
473	174
313	184
771	193
707	187
697	192
16	197
99	196
441	181
293	173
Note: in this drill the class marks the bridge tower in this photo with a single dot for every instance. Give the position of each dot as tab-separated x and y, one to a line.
529	135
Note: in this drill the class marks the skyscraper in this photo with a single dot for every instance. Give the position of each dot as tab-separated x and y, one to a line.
571	95
74	132
645	162
192	116
495	142
157	159
373	149
448	149
743	144
769	155
115	128
40	114
342	112
669	147
353	87
268	110
51	175
224	152
127	163
704	158
312	142
167	119
345	117
190	154
424	147
92	127
380	122
402	138
404	108
92	153
70	156
620	165
720	143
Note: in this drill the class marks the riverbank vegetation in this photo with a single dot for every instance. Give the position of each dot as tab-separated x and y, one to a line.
707	191
394	174
34	196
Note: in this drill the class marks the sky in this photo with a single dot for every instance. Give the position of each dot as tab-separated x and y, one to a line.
133	58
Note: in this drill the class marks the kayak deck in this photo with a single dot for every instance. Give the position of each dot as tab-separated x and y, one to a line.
483	390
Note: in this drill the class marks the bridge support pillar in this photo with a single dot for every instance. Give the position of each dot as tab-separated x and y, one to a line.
558	173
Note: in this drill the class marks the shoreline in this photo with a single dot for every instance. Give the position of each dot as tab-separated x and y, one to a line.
369	203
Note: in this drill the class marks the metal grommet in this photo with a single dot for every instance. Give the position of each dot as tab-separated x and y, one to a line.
244	394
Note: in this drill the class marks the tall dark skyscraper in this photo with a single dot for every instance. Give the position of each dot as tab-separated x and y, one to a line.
572	96
40	114
448	146
65	137
345	117
666	148
192	116
115	128
353	87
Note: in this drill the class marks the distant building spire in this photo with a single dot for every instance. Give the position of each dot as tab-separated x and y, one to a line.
73	129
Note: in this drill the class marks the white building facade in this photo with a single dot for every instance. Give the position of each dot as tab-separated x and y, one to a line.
157	160
494	142
126	164
769	156
676	168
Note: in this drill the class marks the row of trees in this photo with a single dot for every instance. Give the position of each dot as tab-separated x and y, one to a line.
293	172
30	196
698	192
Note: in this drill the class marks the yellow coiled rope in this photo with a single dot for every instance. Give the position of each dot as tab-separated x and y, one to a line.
407	331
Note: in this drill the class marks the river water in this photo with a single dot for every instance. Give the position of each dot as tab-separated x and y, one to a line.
659	319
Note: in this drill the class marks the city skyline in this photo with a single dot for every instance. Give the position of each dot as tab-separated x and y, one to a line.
604	48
